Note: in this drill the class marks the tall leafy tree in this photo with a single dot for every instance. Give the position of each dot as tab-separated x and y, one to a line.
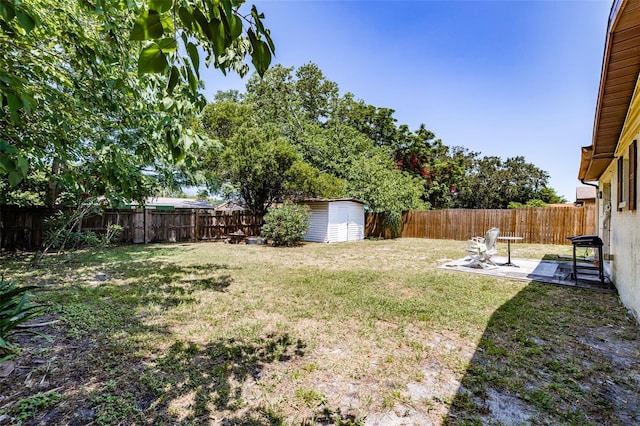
335	136
292	99
378	124
79	122
549	196
100	91
258	160
347	147
306	181
316	94
332	147
223	122
274	100
218	123
221	119
493	183
441	169
374	179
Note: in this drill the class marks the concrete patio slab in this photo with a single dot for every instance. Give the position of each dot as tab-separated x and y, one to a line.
544	271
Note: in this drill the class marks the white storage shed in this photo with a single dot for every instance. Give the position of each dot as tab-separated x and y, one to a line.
335	220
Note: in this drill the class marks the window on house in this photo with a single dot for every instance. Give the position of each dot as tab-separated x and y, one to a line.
627	188
633	168
621	199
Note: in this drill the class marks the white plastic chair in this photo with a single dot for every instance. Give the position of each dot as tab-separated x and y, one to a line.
481	249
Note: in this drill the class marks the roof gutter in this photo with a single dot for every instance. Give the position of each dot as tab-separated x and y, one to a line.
589	184
594	152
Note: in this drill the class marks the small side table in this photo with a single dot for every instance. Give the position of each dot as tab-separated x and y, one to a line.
508	240
236	237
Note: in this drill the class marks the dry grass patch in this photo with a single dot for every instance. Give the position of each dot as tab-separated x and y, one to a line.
354	333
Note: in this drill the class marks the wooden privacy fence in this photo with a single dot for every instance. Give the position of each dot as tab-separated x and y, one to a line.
540	225
24	228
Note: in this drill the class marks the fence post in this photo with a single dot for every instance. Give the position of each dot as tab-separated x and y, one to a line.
147	225
194	212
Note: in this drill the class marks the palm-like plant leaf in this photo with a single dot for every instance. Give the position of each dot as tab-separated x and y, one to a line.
15	308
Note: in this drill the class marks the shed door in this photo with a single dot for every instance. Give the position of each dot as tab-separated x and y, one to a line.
356	223
343	223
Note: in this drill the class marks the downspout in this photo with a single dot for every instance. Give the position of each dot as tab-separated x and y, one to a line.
590	184
597	209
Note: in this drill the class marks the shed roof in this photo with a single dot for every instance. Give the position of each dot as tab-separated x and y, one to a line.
620	68
178	203
231	205
585	193
328	200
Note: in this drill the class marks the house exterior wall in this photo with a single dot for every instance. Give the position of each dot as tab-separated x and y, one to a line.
625	239
611	159
620	231
318	223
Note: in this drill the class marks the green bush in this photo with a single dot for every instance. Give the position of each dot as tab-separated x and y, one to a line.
392	222
286	225
531	203
113	234
15	308
62	234
514	205
536	203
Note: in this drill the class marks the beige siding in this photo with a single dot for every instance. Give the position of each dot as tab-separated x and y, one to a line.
624	246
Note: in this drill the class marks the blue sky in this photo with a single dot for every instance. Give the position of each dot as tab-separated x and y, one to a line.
501	78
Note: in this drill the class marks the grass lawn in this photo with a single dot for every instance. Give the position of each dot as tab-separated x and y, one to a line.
354	333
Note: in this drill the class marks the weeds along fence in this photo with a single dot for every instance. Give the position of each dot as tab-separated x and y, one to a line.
538	225
25	228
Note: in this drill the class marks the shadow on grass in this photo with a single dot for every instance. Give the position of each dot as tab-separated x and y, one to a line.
140	284
108	378
214	374
167	285
103	362
553	355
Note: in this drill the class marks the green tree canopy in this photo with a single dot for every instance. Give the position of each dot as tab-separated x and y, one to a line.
333	136
345	147
493	183
96	95
257	161
384	187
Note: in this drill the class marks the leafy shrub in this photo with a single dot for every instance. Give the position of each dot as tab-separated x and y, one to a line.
15	308
61	233
392	222
60	229
514	205
286	225
536	203
531	203
113	233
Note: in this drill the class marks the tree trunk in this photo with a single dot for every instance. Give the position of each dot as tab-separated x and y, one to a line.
52	191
